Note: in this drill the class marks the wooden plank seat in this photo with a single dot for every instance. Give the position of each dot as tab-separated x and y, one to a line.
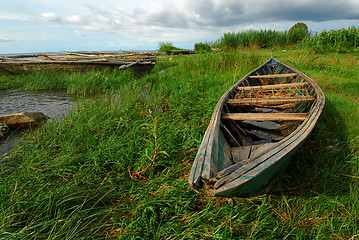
275	75
266	116
270	100
273	87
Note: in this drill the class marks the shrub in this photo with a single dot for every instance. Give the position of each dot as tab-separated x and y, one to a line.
202	47
298	32
166	46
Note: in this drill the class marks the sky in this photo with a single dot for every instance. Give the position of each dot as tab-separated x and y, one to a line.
29	26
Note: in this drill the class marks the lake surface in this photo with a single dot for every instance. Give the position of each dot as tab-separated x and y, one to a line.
54	104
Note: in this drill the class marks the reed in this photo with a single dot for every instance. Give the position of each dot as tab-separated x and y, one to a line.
75	178
341	40
261	38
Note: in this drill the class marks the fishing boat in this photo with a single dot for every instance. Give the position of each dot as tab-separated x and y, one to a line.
54	63
256	126
22	120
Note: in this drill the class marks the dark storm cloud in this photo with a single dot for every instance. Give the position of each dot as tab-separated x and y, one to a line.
230	13
317	11
184	14
220	14
209	15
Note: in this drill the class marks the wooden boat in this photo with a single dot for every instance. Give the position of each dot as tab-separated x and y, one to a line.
256	126
4	129
53	63
22	120
183	52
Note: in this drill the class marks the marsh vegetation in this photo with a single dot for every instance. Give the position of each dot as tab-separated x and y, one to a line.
117	166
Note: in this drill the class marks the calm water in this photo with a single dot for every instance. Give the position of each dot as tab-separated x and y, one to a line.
54	104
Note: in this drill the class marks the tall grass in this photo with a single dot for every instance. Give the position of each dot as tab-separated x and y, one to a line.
341	40
80	83
117	166
261	38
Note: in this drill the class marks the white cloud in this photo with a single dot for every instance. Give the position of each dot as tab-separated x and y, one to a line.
50	16
75	19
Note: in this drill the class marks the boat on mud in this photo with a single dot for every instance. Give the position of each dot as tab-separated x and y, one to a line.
18	64
256	126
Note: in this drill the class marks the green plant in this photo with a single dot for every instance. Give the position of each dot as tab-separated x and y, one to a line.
298	32
202	47
166	46
72	179
341	40
257	39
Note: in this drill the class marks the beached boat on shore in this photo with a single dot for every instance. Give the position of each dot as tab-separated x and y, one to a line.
22	120
256	126
75	62
17	67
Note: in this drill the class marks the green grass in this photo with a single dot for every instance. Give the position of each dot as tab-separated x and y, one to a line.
81	84
75	179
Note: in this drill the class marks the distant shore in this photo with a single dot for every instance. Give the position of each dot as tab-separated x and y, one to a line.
34	54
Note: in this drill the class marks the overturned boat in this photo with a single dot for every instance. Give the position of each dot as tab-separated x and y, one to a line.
255	128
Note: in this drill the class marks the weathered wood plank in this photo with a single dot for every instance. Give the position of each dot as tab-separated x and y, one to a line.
274	86
269	157
264	101
232	138
266	116
17	67
275	75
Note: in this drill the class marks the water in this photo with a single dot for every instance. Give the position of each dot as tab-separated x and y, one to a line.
54	104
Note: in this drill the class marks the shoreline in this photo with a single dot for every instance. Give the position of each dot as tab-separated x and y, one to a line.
35	54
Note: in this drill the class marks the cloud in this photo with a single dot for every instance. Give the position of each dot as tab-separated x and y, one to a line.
316	11
2	40
233	12
10	40
50	17
188	19
75	19
220	13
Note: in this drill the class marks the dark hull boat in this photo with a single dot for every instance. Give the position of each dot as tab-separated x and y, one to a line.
256	126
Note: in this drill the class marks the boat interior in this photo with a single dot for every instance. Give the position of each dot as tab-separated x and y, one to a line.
267	106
